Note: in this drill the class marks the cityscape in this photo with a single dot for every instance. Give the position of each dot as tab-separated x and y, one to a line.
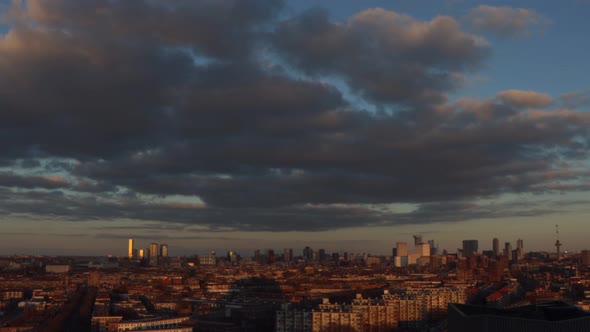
294	166
416	288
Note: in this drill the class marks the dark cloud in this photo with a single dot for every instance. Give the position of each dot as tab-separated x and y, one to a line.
9	179
217	29
99	78
29	163
505	21
385	56
295	218
120	107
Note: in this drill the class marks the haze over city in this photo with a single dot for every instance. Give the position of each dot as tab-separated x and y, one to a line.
344	125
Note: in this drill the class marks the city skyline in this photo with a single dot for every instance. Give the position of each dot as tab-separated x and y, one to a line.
401	248
250	124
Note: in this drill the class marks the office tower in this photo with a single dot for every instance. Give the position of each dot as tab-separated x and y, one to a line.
257	255
432	247
417	240
288	254
232	257
322	255
130	249
270	256
586	257
520	248
496	247
147	253
153	254
307	253
507	249
423	249
335	257
153	250
402	249
469	247
163	250
141	254
347	256
394	251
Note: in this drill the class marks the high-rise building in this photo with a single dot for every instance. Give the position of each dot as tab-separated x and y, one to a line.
257	255
270	256
141	254
130	249
163	250
417	239
232	257
496	246
402	249
520	248
322	255
586	257
432	247
507	249
288	254
153	254
307	253
470	247
423	249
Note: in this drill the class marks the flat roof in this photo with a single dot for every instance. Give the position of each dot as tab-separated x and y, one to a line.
549	311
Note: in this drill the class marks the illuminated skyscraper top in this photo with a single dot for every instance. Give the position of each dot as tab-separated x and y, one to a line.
130	249
164	250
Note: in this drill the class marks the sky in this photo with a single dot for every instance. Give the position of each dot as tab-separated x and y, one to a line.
243	124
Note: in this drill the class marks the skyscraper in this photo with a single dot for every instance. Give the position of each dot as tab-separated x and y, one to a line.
507	249
432	247
423	249
153	254
288	254
417	240
470	247
520	248
307	253
496	247
402	249
130	249
164	250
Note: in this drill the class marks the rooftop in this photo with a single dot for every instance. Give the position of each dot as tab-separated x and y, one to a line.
549	311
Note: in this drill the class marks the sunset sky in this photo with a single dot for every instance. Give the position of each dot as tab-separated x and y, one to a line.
241	124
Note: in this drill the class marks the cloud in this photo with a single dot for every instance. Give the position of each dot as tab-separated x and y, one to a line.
575	99
520	98
9	179
504	21
384	56
228	117
319	217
